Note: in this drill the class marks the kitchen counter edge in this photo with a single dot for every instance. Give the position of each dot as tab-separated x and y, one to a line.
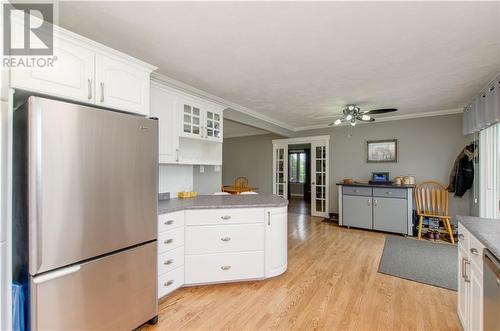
486	230
222	201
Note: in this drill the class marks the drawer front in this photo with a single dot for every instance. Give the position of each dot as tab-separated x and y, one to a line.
356	190
463	237
170	239
224	216
170	260
170	221
390	193
224	267
476	251
224	238
170	281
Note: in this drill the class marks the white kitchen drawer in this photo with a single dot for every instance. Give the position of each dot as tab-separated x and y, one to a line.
170	239
170	221
224	216
170	260
211	268
224	238
476	252
170	281
463	237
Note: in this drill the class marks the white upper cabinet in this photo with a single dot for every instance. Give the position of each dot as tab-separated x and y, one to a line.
200	120
72	74
121	85
88	72
164	105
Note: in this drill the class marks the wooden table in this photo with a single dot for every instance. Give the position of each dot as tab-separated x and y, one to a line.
237	190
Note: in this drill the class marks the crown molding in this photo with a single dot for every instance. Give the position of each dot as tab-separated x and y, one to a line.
162	79
388	118
245	134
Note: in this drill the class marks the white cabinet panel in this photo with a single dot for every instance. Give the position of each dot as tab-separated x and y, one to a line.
121	86
72	75
476	298
170	260
171	239
164	105
170	221
170	281
224	238
276	241
463	289
213	268
224	216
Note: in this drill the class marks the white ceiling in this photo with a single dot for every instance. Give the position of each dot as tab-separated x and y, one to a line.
234	129
300	62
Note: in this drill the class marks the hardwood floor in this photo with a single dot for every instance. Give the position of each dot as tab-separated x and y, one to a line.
331	283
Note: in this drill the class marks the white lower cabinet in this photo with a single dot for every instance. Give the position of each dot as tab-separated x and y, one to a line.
170	252
220	245
470	281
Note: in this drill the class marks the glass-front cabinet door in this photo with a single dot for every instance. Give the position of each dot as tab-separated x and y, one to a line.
280	170
213	125
191	120
319	179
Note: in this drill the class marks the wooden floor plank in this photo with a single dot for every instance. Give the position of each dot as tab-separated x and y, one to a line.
331	283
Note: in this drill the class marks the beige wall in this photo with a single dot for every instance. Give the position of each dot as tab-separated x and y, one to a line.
427	149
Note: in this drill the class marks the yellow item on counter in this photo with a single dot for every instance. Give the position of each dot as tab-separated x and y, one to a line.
185	194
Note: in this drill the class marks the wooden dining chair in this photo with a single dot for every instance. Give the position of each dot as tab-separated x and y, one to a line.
240	182
432	201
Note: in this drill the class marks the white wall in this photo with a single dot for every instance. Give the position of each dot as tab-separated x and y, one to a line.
175	178
427	149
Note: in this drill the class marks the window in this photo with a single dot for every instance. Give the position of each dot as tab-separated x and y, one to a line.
297	166
489	173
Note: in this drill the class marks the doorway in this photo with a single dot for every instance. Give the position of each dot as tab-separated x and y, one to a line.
299	178
301	171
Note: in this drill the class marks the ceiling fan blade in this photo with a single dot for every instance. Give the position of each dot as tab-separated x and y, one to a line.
359	118
380	111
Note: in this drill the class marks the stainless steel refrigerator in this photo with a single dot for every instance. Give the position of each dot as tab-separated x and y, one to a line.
85	215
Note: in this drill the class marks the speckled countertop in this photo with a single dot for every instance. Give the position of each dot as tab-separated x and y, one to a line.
222	201
486	230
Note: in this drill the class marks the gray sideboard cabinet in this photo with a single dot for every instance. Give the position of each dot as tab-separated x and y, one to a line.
375	207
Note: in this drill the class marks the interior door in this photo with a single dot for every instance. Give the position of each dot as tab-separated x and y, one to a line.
280	170
319	179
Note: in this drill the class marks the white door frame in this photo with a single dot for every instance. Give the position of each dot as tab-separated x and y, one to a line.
306	140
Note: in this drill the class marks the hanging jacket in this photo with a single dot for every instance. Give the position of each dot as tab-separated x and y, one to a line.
462	174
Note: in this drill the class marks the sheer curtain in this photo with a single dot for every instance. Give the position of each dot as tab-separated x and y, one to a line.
489	174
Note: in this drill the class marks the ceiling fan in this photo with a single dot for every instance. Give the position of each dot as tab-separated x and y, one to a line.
352	113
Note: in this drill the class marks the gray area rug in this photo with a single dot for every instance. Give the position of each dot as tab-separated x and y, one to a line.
421	261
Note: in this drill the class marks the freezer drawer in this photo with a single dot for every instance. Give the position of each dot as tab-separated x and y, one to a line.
116	292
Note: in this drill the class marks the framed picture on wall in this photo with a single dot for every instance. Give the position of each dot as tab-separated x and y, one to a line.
382	150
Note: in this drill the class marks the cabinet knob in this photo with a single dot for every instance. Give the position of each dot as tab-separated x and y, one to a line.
168	241
369	202
170	261
225	218
225	267
170	282
169	222
225	238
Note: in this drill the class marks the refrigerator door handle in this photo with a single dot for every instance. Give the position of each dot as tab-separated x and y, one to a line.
56	274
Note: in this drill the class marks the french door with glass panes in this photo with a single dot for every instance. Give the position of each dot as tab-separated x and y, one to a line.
319	179
280	170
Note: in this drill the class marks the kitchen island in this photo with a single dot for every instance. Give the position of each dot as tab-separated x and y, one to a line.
220	238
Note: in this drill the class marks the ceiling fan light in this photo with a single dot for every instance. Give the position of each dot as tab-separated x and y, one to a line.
337	122
348	117
365	118
353	123
350	107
